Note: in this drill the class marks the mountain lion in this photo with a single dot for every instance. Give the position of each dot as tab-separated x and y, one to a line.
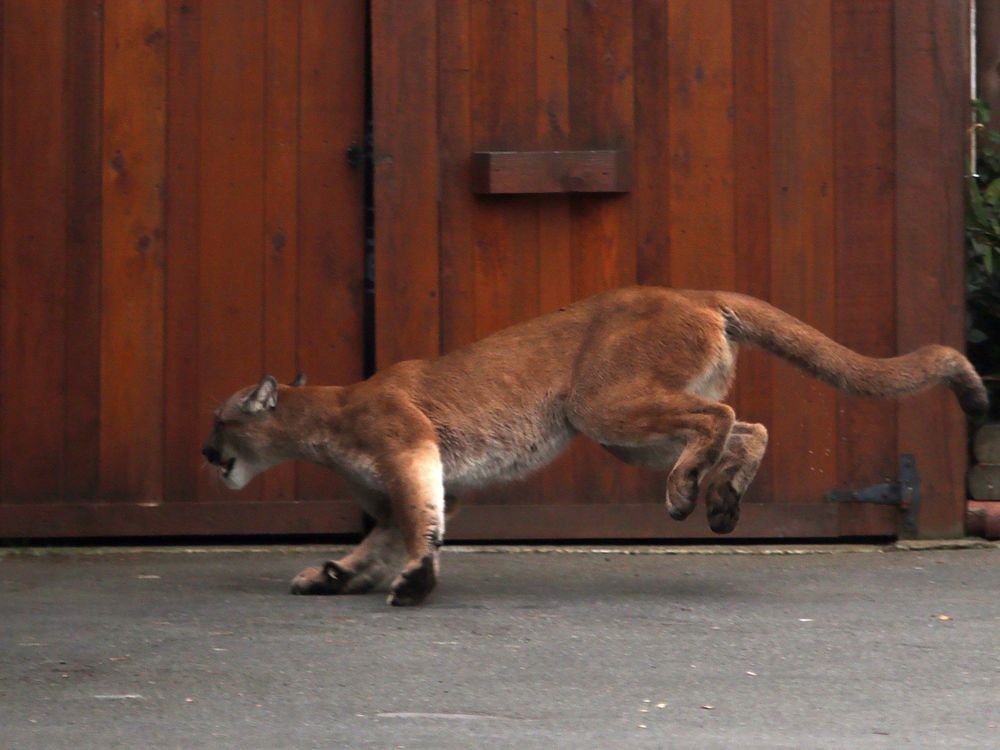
640	370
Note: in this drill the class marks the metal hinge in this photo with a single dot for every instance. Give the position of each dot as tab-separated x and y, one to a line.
356	155
904	492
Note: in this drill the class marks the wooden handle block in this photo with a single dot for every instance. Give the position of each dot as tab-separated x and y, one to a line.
504	172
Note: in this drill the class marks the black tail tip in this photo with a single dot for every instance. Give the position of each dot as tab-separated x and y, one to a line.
974	400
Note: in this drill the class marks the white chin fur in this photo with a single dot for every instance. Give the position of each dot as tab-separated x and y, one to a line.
239	477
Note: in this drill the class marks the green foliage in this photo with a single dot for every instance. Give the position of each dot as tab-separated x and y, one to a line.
982	234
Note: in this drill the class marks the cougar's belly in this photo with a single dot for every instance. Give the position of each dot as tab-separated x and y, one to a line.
504	448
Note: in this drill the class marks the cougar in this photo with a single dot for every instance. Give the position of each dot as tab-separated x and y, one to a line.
641	370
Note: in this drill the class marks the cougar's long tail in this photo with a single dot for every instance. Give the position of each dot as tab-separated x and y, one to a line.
756	322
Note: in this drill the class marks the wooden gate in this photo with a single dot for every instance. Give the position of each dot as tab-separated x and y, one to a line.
805	151
177	216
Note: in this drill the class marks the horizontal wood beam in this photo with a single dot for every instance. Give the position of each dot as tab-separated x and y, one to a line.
60	520
650	521
501	523
506	172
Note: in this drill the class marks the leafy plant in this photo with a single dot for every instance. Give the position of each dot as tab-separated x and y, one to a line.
982	234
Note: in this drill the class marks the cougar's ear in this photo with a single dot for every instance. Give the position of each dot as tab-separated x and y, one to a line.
300	380
264	396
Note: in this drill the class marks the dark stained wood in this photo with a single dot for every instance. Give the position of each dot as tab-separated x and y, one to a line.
555	252
931	111
561	521
404	76
100	519
132	278
601	90
628	520
503	118
330	224
281	200
499	172
803	423
651	196
177	216
33	257
701	144
506	250
763	169
988	55
83	248
752	208
231	199
700	120
865	252
652	137
457	252
185	415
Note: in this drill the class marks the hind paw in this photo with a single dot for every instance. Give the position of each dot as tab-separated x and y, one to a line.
723	506
681	495
331	578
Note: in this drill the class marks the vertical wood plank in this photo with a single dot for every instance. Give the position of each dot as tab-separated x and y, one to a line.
752	208
187	417
33	251
457	309
803	439
652	193
504	119
931	109
506	231
554	244
652	142
602	101
230	339
132	270
866	282
601	116
83	249
3	224
700	90
404	72
330	245
281	131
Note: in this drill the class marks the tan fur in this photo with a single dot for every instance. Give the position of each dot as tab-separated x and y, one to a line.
640	370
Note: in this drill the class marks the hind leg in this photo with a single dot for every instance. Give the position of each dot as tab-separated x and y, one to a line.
649	430
733	474
369	565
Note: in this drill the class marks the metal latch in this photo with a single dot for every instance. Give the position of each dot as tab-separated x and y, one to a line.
904	492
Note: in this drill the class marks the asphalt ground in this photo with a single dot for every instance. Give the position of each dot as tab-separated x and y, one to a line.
175	649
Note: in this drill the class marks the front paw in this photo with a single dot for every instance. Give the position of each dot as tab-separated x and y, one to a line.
330	579
413	585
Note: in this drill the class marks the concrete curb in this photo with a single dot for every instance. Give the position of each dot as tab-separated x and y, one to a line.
920	545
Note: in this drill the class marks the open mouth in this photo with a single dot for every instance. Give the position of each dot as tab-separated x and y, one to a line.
227	467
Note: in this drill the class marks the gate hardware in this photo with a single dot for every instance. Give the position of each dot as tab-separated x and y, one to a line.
905	492
356	155
507	172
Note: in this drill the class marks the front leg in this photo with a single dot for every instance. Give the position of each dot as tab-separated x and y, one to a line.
368	565
415	481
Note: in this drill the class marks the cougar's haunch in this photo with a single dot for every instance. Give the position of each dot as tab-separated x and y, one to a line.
641	370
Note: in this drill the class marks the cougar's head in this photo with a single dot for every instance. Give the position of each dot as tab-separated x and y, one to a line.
241	444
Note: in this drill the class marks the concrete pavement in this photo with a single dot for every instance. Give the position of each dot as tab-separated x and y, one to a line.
207	650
